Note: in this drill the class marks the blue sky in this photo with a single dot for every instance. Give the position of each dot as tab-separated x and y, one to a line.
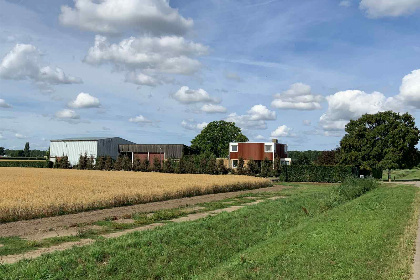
159	71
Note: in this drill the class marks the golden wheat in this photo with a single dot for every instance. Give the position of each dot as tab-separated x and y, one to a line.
27	193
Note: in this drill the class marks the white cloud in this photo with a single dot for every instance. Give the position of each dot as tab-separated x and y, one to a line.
140	119
282	131
116	16
389	8
20	136
255	118
233	76
188	96
260	137
67	114
307	122
168	54
24	62
298	97
192	125
3	104
1	136
410	90
211	108
344	106
345	3
85	100
142	79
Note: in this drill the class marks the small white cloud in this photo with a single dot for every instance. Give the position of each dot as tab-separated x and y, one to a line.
233	76
85	100
389	8
20	136
3	104
260	137
260	112
67	114
255	118
1	136
282	131
24	62
345	3
140	119
192	125
115	16
188	96
298	97
211	108
306	122
142	79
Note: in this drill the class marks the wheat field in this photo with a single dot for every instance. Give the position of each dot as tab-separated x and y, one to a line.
27	193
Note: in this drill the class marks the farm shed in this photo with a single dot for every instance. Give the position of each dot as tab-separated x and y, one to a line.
151	151
92	146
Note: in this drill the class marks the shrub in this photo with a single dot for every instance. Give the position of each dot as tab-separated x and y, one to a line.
26	163
253	168
126	163
221	168
314	173
118	163
100	163
266	168
137	165
109	163
157	165
240	168
83	159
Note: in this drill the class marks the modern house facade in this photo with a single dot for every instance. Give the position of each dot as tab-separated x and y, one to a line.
152	151
257	151
94	147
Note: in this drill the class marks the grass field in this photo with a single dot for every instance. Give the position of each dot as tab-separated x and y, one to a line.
30	192
403	174
370	237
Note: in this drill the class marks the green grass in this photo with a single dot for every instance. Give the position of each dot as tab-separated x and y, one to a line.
370	237
403	174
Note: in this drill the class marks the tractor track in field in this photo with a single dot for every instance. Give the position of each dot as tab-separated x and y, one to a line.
49	225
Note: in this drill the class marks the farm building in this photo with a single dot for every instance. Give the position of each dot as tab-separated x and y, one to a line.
91	146
152	151
257	151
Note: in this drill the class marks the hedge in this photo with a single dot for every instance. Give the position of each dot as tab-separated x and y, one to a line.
315	173
26	163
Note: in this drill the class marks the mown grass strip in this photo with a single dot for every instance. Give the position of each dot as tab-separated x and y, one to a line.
177	250
371	237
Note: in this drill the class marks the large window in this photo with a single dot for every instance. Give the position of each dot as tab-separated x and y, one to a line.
234	163
268	148
234	148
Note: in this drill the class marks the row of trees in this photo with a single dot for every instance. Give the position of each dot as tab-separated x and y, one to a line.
26	152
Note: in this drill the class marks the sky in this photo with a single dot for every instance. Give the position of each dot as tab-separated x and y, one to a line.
158	71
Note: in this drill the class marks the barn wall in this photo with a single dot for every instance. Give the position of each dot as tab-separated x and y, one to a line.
73	149
109	146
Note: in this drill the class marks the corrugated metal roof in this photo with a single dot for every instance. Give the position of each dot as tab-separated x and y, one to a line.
82	139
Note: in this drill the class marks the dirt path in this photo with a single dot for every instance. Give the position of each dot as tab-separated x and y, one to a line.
54	224
10	259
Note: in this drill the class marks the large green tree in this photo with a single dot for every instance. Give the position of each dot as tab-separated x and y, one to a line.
215	138
27	151
384	140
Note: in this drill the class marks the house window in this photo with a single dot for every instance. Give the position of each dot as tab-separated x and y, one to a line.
268	148
234	148
234	163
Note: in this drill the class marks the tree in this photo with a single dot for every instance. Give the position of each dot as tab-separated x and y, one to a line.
216	136
26	151
328	157
1	151
385	140
302	159
240	168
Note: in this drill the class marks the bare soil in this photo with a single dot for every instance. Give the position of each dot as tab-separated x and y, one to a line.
38	227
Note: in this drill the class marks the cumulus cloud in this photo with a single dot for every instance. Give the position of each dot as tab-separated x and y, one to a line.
192	125
211	108
344	106
116	16
85	100
233	76
168	54
142	79
140	119
24	62
3	104
260	137
282	131
188	96
389	8
307	122
298	97
20	136
410	90
67	114
255	118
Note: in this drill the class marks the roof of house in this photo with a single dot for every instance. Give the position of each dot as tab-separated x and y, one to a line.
82	139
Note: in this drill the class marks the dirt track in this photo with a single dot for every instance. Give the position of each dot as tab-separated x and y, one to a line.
31	227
